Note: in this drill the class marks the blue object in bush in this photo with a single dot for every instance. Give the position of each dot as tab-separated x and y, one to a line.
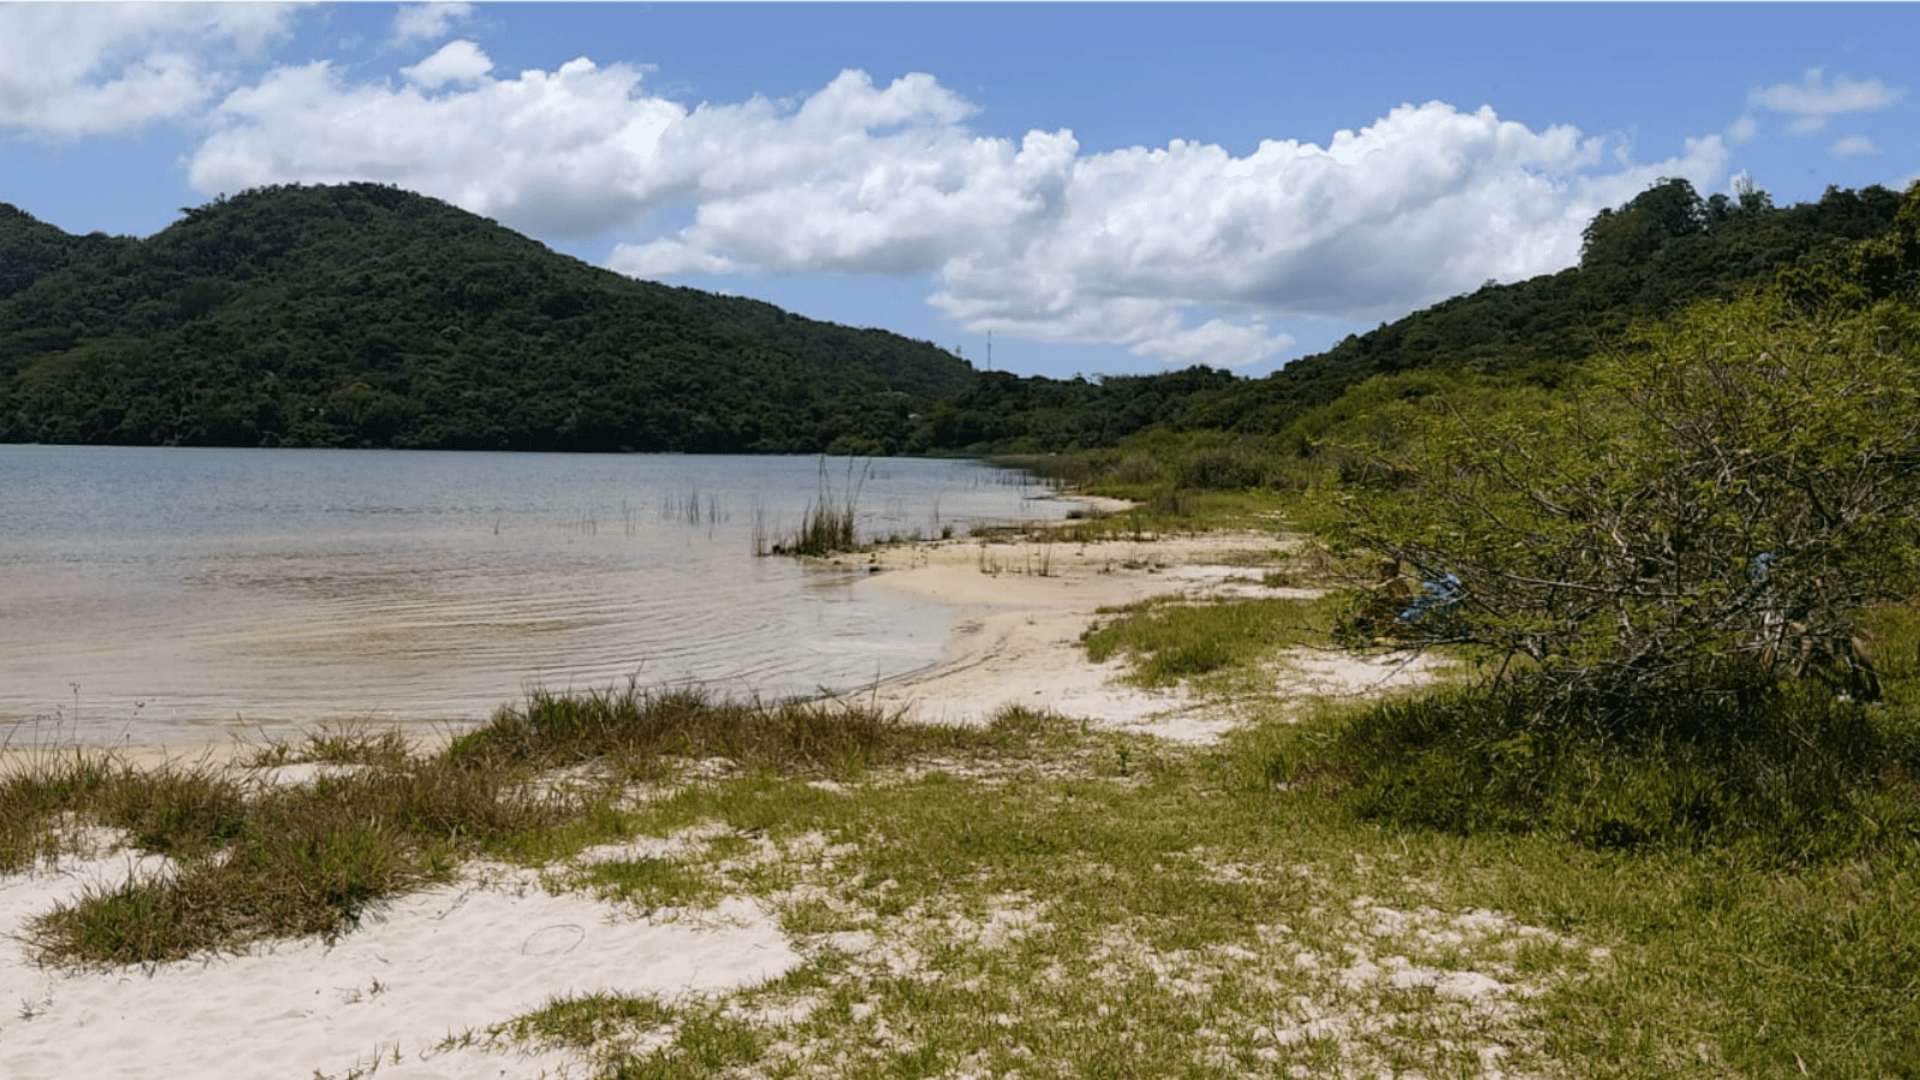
1439	596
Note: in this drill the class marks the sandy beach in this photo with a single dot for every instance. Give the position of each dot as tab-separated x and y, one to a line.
411	992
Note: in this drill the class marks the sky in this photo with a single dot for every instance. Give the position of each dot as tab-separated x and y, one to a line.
1080	188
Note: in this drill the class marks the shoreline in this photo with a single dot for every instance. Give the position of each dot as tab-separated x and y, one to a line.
1018	609
421	986
1019	604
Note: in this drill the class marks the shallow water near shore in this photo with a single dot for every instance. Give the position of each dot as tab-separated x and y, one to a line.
177	595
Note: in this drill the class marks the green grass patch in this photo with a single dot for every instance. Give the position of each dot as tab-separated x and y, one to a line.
252	861
1169	640
650	883
646	731
586	1020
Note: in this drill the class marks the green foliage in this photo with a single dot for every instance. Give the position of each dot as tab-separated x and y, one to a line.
1170	641
1792	775
362	315
1739	483
1648	259
998	412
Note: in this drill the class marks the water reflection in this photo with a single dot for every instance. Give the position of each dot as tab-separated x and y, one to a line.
148	593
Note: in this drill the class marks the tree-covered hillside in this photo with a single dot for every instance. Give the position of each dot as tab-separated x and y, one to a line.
1662	251
362	315
1665	249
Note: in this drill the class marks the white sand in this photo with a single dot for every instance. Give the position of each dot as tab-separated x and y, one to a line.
1024	606
454	960
439	963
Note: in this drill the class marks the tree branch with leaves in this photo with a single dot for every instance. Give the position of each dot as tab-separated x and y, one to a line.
1728	488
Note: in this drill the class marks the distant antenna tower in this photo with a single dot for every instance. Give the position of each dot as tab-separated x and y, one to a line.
989	350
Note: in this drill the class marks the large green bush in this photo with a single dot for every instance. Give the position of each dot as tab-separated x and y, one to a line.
1725	493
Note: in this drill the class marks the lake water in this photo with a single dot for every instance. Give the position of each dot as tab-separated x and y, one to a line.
155	595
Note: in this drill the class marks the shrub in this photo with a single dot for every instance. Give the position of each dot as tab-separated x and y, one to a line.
1730	490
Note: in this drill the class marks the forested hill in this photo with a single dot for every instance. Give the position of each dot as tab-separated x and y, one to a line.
363	315
1664	250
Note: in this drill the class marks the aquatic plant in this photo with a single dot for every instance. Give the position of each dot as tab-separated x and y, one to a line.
829	524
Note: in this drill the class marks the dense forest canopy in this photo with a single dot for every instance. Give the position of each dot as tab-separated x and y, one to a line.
364	315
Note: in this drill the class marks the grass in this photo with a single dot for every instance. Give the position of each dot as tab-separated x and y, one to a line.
644	733
1170	640
829	526
1790	775
249	861
1040	898
1422	886
274	862
825	529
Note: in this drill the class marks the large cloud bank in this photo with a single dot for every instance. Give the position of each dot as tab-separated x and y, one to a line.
1184	252
71	70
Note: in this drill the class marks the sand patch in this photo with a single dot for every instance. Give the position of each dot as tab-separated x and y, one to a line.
420	968
1023	606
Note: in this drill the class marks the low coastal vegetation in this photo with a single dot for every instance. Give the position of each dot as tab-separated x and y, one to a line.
1658	815
829	526
1365	886
250	858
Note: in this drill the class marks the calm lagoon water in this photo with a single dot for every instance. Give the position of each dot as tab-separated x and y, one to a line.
155	595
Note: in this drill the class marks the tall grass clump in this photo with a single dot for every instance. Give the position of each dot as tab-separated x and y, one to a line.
254	862
829	525
39	792
642	730
825	529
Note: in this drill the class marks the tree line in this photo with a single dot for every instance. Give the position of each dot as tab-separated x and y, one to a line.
362	315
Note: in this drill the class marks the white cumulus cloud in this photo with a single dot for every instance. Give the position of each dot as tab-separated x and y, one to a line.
70	70
1185	253
428	22
1813	101
456	62
559	153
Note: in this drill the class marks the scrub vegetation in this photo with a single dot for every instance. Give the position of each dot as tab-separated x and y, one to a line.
1660	818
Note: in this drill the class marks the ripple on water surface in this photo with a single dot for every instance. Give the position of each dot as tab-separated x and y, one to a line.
148	594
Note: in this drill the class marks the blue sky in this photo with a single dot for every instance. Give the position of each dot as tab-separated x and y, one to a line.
1105	188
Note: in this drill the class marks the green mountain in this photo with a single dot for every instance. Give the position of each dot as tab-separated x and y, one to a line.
1664	250
363	315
